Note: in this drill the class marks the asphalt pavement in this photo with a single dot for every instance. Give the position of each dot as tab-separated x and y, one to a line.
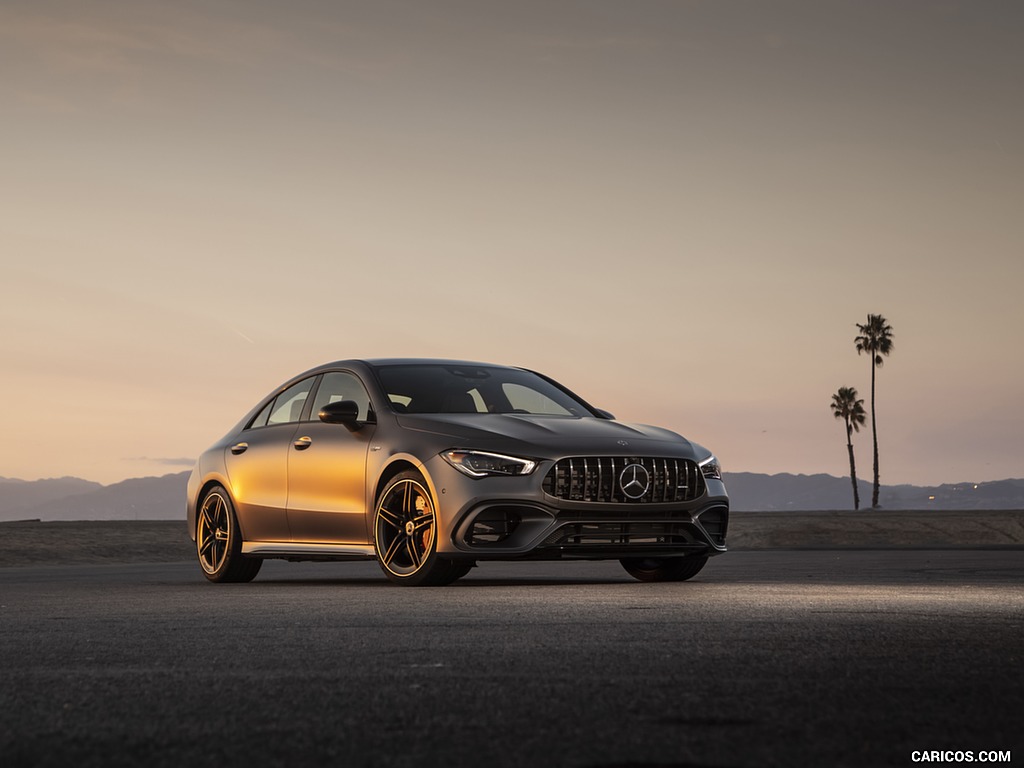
767	658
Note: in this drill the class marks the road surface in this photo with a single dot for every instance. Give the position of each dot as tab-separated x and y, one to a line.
767	658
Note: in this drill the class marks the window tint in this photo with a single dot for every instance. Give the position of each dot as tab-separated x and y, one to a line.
288	405
261	418
526	399
432	388
337	386
478	401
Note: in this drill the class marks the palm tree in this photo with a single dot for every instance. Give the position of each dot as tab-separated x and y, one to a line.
847	407
876	339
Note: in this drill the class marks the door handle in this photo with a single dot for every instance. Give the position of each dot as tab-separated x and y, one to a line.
303	443
238	448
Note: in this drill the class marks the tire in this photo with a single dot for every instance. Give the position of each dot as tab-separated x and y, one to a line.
664	568
219	541
405	535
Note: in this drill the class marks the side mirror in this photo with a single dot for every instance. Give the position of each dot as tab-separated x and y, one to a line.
604	414
342	412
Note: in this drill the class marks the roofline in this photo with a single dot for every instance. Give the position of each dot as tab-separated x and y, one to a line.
376	362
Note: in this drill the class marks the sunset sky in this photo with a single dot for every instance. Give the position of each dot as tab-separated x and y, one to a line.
679	209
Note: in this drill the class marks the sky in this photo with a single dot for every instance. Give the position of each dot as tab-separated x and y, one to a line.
679	209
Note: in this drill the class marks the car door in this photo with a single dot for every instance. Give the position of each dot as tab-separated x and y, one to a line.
257	466
327	468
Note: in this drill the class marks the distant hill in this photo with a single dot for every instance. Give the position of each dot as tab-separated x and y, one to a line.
17	495
752	492
144	498
163	498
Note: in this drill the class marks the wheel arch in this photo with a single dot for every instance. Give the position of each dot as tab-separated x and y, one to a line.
205	487
397	466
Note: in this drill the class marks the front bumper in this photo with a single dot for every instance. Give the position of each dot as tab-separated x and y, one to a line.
506	518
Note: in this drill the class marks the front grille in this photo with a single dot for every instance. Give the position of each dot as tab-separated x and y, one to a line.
600	479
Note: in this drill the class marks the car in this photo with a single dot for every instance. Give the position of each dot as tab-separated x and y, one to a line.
431	466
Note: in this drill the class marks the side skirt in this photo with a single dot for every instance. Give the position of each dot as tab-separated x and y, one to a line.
302	551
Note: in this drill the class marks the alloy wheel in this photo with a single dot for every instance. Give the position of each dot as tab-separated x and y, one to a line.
213	533
404	527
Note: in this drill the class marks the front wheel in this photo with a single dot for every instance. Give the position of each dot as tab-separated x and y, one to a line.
219	542
405	535
664	568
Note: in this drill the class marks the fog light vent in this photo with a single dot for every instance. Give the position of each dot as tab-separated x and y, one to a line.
492	526
716	522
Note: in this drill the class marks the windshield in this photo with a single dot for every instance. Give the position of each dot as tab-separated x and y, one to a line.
434	388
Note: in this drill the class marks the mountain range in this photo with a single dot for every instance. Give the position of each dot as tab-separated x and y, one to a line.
163	498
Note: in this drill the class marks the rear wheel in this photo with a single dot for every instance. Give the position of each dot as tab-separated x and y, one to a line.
405	535
664	568
219	542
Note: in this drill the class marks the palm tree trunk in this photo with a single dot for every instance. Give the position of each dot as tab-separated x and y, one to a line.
874	433
853	466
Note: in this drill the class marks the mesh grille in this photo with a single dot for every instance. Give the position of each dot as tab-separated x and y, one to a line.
605	479
716	521
621	535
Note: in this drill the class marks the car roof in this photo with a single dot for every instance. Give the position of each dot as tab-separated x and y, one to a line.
378	362
367	364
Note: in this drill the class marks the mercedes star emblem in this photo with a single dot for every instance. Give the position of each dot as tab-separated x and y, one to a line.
635	480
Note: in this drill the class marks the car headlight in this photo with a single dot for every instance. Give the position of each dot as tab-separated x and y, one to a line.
482	464
711	468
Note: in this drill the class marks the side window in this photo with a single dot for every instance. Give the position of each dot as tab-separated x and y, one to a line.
288	405
337	386
262	416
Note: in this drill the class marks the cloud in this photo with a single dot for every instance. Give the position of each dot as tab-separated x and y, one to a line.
117	37
69	57
592	43
165	461
111	37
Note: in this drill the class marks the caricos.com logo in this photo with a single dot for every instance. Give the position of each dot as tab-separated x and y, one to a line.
959	756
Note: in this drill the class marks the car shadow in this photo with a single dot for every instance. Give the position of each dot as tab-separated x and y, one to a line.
465	583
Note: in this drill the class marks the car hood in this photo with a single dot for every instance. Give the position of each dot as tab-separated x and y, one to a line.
553	435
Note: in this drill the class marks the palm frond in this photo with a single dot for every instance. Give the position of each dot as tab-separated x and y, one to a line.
876	338
848	407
